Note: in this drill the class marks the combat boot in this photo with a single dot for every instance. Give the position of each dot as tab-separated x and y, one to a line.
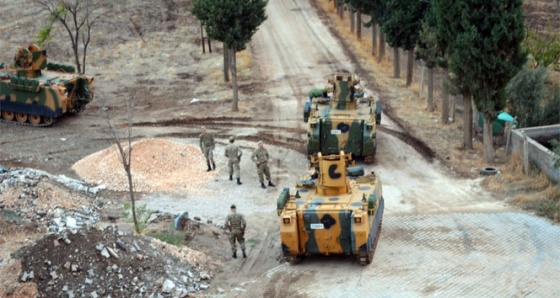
244	254
213	165
270	184
239	182
234	255
231	178
209	168
263	186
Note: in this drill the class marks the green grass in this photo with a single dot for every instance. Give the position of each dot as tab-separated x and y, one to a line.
252	242
168	235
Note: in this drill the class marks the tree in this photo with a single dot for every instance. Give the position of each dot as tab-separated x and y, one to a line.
484	38
78	17
232	22
377	11
125	153
534	98
402	27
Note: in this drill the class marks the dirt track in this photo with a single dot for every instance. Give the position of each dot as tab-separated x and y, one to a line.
443	236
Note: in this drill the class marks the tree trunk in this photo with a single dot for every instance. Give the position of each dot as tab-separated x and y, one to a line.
467	120
132	200
359	24
234	105
373	39
226	63
396	63
488	141
444	107
381	46
341	11
352	16
453	107
409	67
431	90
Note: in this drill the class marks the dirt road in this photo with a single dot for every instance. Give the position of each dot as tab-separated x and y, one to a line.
442	236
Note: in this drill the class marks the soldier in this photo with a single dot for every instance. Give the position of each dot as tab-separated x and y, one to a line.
234	157
235	223
260	157
207	147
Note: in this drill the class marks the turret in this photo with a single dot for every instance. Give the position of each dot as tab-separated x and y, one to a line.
345	92
29	61
331	173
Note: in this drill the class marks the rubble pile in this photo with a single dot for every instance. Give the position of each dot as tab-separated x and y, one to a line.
54	202
101	261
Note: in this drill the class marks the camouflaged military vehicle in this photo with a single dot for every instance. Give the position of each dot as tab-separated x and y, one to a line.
36	93
336	210
347	122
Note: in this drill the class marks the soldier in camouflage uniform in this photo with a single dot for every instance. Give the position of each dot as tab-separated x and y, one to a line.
260	157
207	146
234	157
235	224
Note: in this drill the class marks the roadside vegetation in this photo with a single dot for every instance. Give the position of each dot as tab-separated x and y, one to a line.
533	95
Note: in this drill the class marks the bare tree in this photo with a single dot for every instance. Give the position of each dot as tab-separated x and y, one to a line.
125	153
78	17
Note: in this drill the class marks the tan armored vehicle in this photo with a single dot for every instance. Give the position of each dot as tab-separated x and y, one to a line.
337	210
34	92
347	122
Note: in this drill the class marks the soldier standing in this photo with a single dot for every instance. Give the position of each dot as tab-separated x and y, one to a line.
235	223
234	157
260	157
207	147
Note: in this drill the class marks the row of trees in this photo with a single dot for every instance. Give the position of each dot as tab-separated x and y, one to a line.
478	42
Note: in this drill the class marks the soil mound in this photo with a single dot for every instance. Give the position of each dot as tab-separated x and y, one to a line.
156	165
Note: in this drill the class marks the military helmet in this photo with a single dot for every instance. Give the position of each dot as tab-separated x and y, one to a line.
232	138
232	206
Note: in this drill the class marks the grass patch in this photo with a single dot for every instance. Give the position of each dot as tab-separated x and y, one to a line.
168	235
534	192
252	242
142	214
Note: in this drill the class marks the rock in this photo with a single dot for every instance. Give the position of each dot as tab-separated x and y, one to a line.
113	252
197	218
209	221
74	268
204	286
120	245
204	276
53	275
71	223
105	253
168	286
88	281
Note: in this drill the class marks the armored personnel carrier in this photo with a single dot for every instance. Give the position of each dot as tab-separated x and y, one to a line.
36	93
346	122
336	210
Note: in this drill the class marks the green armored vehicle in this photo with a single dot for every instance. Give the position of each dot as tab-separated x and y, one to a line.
347	122
337	210
36	93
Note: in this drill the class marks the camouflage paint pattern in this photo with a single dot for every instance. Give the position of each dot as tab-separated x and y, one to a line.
337	216
39	92
348	123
